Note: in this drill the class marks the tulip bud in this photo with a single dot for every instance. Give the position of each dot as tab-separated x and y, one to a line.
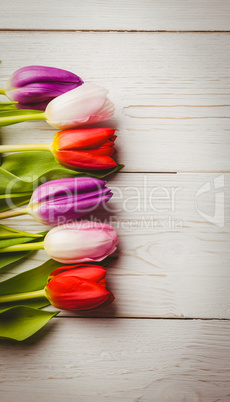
35	86
89	149
59	201
78	287
86	104
80	242
84	149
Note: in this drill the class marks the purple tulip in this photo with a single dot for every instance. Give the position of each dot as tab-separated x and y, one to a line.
35	86
57	202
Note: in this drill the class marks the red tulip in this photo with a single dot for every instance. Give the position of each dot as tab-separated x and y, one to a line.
78	287
89	148
86	148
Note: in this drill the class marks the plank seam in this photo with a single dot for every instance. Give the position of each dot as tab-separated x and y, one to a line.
150	172
179	172
109	30
148	318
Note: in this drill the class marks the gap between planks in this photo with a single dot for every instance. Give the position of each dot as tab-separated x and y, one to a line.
112	31
147	318
179	172
137	172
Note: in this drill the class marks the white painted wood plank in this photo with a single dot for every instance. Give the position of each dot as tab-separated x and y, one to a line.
128	360
173	261
171	92
148	15
149	202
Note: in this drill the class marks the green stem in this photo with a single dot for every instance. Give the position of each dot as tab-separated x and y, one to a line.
23	247
8	120
14	212
22	296
30	147
2	91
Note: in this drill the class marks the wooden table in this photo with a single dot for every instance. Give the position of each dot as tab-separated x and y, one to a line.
167	67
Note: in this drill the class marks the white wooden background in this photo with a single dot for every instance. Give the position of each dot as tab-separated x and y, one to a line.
167	335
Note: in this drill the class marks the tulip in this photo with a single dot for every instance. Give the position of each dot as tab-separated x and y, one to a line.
61	200
86	104
87	148
80	242
83	241
78	287
73	288
33	87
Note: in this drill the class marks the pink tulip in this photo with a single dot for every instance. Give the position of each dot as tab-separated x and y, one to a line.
80	242
83	241
86	104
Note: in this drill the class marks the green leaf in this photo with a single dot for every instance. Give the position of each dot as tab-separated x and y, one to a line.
20	322
18	240
103	173
21	173
9	258
10	233
34	303
7	106
29	281
9	201
10	114
10	109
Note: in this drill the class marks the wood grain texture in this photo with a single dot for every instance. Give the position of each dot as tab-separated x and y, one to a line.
171	93
173	257
148	15
127	360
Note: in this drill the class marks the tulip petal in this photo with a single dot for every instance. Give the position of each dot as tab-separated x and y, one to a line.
58	187
78	103
29	74
78	287
107	149
105	113
80	242
33	106
39	92
83	105
68	208
63	200
85	271
85	160
108	109
106	303
35	86
87	138
77	198
85	148
73	293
